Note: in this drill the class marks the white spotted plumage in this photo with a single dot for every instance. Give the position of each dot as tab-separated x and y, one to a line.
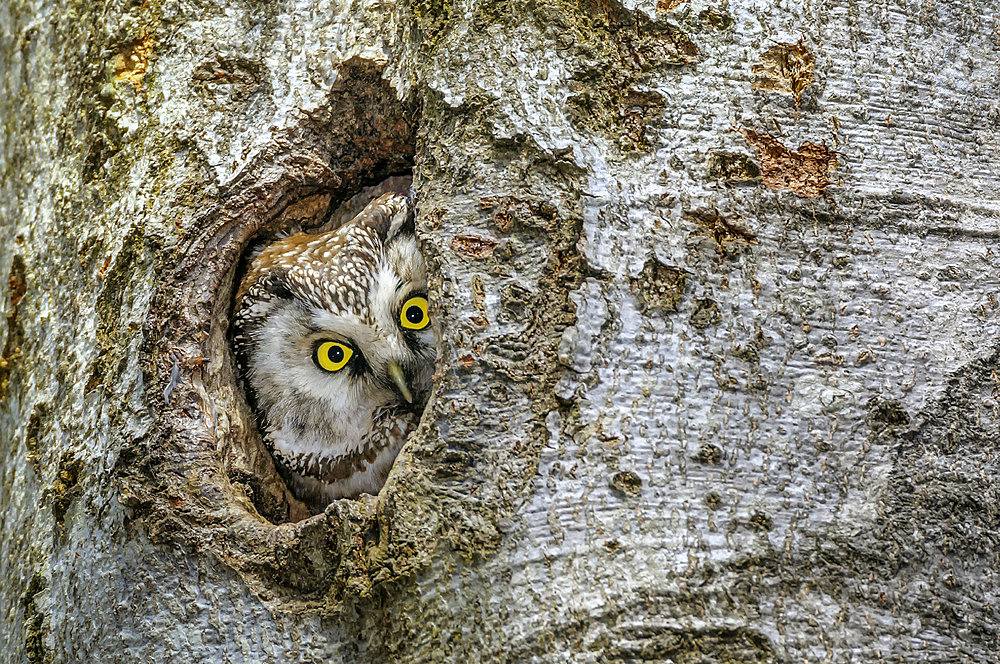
336	434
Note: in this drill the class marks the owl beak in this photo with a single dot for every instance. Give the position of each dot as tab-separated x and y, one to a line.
400	379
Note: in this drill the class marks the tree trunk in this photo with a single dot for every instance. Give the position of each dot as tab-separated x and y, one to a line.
717	288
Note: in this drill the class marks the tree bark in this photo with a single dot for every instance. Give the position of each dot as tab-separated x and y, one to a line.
717	290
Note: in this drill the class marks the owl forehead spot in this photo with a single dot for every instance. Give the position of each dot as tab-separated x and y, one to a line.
337	295
337	284
325	269
308	246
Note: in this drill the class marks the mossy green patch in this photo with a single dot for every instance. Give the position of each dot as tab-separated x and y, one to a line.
616	49
11	353
690	646
64	489
119	274
33	436
432	17
709	453
34	622
706	314
612	51
885	415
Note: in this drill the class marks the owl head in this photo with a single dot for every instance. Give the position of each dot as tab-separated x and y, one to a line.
335	344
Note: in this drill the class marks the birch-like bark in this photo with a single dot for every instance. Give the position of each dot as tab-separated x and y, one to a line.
717	285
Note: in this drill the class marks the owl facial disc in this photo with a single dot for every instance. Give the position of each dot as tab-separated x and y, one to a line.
336	348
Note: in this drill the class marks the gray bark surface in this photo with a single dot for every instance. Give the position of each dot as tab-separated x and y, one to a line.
717	286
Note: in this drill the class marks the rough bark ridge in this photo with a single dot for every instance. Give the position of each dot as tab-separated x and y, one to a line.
717	284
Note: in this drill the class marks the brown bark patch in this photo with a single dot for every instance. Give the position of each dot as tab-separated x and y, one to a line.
804	172
706	314
627	483
668	5
479	301
133	61
719	20
785	68
638	109
724	230
15	281
509	212
473	246
733	167
235	78
659	287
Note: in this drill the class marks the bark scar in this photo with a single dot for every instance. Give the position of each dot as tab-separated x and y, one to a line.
473	246
803	172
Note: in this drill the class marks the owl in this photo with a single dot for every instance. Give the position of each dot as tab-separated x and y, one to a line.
335	345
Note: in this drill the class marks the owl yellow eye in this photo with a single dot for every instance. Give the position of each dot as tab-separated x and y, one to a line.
413	315
332	355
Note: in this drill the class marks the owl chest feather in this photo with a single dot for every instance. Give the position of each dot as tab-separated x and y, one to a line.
366	446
